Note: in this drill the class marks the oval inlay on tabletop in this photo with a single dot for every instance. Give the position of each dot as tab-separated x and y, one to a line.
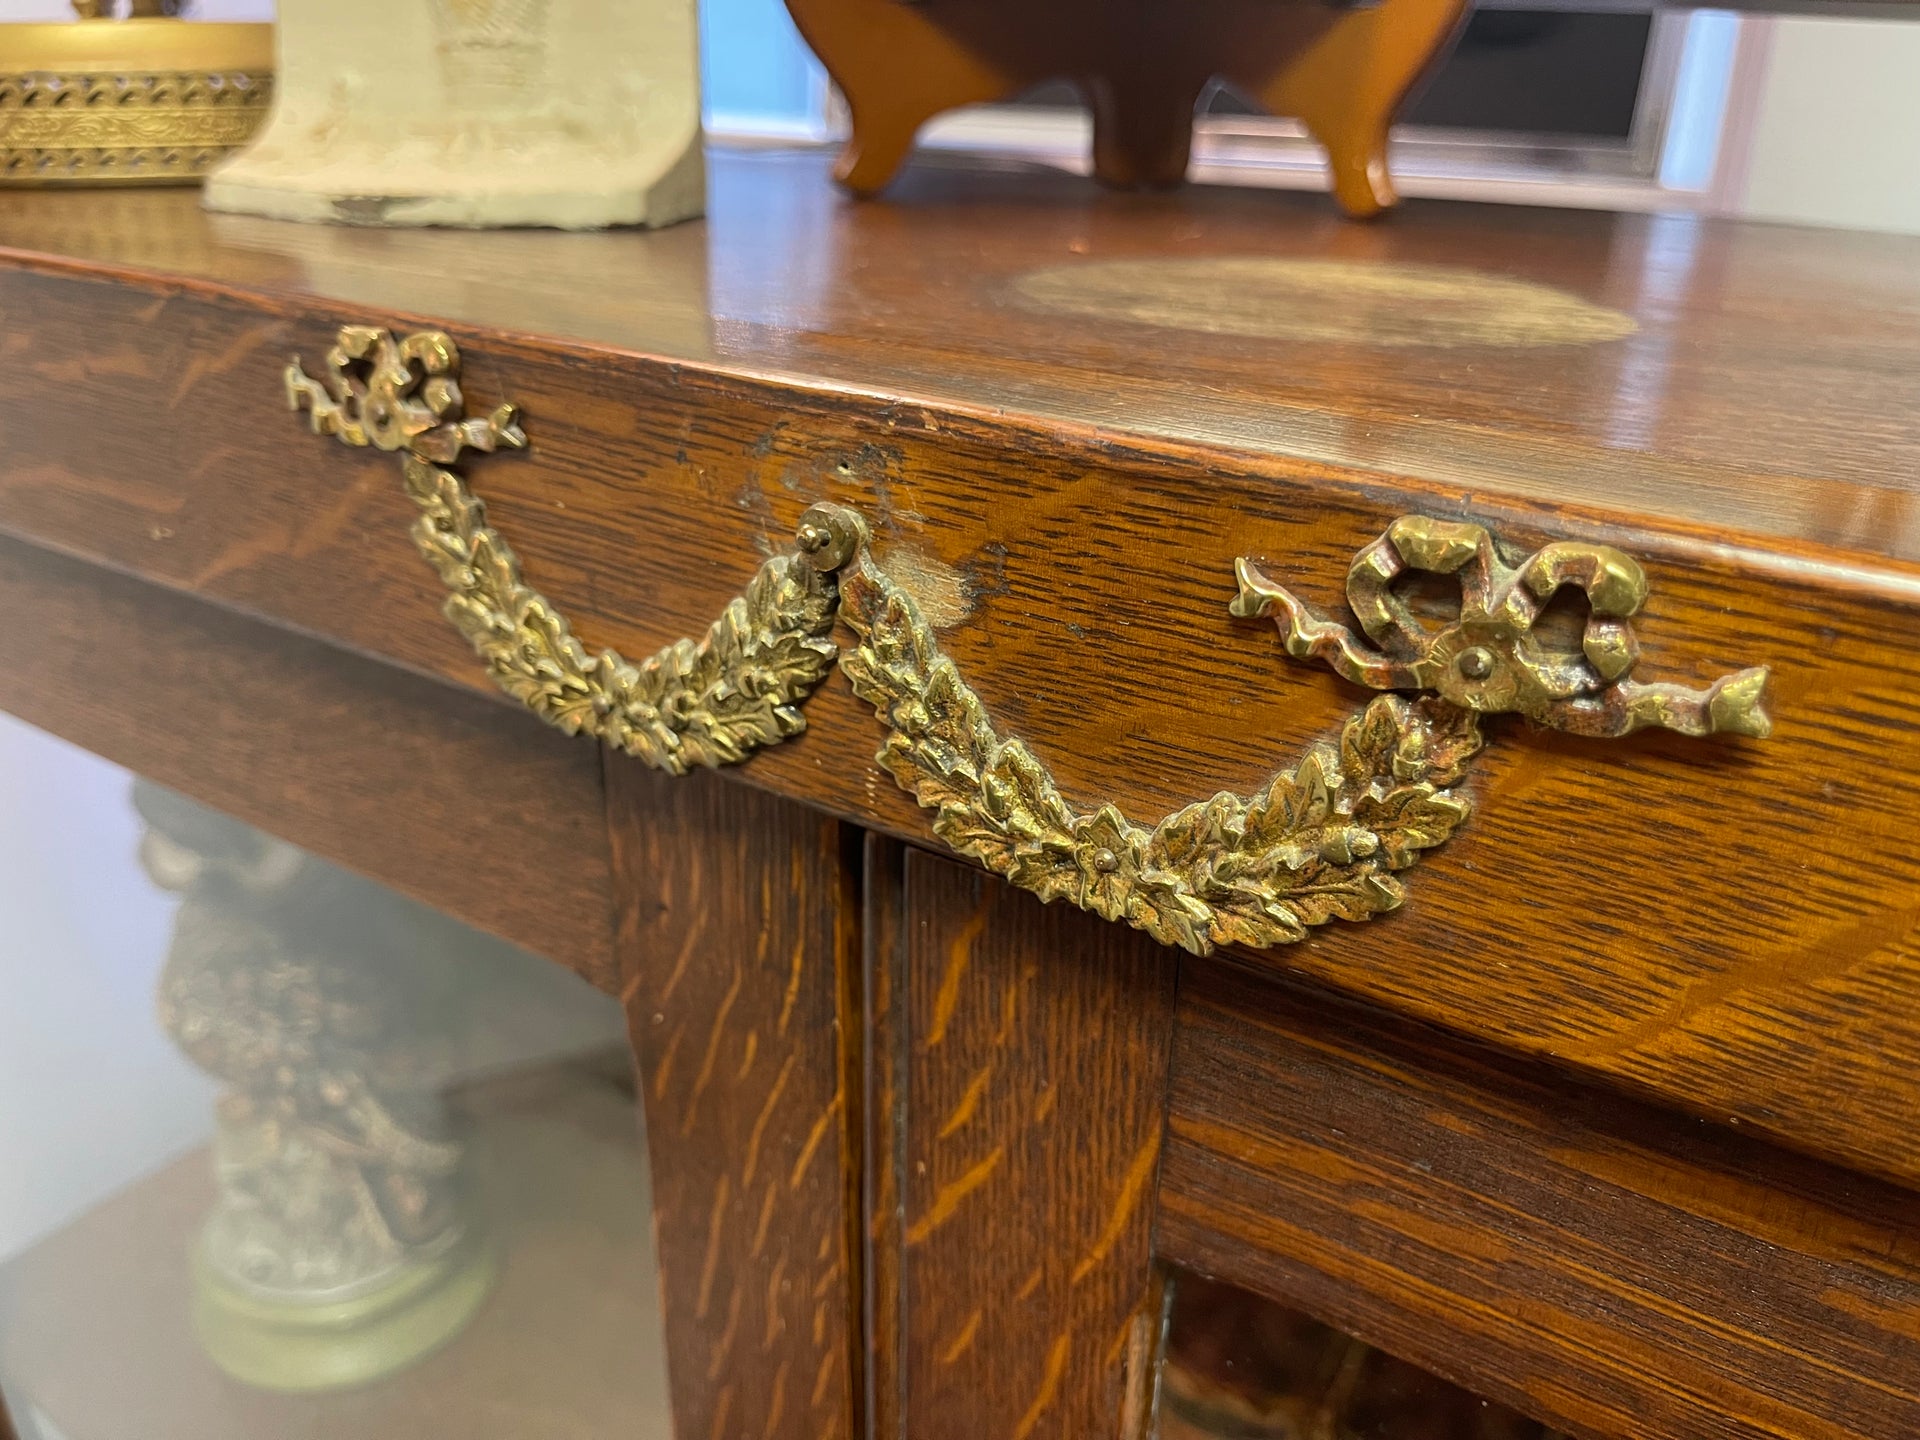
1323	300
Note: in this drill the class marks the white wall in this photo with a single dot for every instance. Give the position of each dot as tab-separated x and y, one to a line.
1837	136
92	1093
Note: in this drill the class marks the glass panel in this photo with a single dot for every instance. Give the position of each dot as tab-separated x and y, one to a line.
1240	1367
283	1154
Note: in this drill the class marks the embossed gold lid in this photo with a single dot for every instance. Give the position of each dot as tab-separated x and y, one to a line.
149	100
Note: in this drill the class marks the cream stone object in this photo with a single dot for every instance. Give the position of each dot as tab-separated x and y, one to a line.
570	113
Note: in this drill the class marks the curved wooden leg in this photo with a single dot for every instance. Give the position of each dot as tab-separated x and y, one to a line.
898	70
1142	129
1348	86
882	136
1356	147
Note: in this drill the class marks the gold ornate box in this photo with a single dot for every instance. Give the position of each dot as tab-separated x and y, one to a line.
145	101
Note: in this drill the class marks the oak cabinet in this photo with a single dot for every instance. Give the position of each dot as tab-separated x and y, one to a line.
1450	684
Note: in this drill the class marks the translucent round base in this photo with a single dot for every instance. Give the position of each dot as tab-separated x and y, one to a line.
336	1345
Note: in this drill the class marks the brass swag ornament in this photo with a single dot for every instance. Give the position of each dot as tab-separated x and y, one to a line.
711	703
1323	840
1320	841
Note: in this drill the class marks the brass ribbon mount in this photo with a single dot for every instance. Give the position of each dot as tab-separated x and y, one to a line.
1324	839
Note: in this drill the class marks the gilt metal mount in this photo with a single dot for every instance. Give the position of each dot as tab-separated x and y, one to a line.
1490	660
1326	838
706	703
1323	840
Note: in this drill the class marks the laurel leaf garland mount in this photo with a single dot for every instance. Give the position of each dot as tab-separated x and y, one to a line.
711	703
1322	841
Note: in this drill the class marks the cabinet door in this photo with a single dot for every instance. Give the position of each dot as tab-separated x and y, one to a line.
1116	1193
1018	1063
1588	1259
739	945
1017	1059
287	1154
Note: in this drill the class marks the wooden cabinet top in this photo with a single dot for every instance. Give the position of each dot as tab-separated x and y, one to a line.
1064	415
1756	384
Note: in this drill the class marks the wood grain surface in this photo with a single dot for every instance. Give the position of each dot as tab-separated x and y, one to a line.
1017	1066
1727	926
740	944
1601	1265
883	1076
1771	384
432	790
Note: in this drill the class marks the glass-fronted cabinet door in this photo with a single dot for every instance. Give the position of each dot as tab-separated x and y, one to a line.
1237	1366
285	1154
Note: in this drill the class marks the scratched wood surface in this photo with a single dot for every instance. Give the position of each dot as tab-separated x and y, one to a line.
740	951
1727	926
1017	1069
1604	1266
423	787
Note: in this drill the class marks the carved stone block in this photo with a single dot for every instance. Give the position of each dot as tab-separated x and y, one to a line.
482	113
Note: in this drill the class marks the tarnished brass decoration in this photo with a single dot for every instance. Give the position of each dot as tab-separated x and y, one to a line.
711	703
1321	841
1489	660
